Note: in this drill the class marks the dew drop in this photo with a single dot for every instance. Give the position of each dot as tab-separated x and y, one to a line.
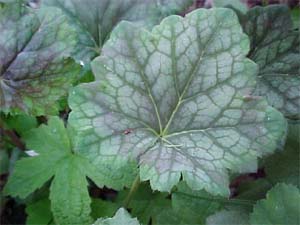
81	63
31	153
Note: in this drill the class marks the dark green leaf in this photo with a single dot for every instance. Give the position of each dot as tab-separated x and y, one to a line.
101	208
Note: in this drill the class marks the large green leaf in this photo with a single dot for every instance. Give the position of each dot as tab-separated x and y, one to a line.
35	70
177	101
94	19
275	47
70	202
282	206
121	217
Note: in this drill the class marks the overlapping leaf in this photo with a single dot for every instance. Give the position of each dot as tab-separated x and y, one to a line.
188	207
239	5
35	70
39	212
282	206
121	217
284	165
94	19
275	47
145	204
70	202
177	101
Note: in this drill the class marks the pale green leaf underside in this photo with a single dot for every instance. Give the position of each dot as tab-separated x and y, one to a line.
35	70
121	217
281	206
275	47
94	19
174	100
228	217
70	201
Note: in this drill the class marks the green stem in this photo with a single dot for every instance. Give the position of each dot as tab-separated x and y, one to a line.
134	187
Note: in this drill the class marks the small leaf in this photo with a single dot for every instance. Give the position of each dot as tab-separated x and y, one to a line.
70	202
121	217
280	207
275	48
173	100
35	68
20	123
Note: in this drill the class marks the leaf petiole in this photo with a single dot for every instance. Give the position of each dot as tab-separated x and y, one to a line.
135	185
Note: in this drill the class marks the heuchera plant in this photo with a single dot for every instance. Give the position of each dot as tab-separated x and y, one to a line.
176	109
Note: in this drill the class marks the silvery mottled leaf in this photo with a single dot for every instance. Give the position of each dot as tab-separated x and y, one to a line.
176	100
35	70
275	47
95	19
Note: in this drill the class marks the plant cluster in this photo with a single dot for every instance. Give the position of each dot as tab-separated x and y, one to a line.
127	112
